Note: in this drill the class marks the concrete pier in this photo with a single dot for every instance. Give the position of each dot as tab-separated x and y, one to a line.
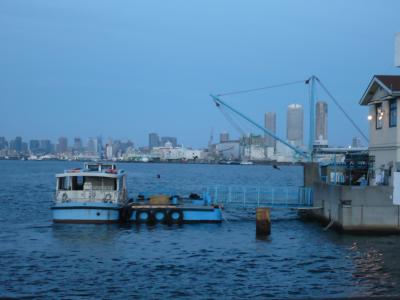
351	209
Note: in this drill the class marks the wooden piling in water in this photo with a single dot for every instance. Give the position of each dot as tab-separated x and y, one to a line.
263	221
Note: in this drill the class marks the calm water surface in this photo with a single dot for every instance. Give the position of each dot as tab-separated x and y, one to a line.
38	258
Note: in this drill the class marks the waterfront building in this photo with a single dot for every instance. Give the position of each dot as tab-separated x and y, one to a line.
172	140
295	116
62	145
252	152
321	124
154	140
270	125
382	98
224	137
228	150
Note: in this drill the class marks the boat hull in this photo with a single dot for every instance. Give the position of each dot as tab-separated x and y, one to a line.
93	213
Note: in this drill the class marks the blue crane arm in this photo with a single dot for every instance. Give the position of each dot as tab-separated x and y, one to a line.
218	102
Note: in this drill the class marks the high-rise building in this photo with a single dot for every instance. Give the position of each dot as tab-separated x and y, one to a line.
45	146
154	140
321	123
172	140
270	125
17	144
34	146
99	146
91	145
356	142
224	137
109	151
62	145
295	124
78	144
24	147
129	144
3	143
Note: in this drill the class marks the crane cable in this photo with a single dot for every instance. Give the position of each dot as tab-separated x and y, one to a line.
342	109
261	88
231	120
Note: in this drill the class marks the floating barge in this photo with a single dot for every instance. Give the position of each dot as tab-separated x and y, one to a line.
172	210
97	193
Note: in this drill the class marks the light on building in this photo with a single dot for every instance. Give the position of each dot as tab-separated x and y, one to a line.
369	118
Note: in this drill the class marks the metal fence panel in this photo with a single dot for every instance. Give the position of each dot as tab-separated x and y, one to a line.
252	196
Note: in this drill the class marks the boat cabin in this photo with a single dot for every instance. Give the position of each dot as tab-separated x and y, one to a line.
94	182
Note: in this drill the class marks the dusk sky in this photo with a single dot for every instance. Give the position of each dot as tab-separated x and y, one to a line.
123	69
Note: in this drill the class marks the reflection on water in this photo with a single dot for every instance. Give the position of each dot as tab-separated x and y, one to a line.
191	261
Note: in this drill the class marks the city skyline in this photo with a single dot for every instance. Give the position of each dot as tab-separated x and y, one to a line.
294	133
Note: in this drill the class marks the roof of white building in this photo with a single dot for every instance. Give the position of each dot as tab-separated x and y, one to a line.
381	88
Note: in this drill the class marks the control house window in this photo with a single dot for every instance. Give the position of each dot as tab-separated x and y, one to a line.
379	115
393	113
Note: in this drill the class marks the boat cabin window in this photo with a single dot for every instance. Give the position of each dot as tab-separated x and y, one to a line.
77	183
80	183
64	183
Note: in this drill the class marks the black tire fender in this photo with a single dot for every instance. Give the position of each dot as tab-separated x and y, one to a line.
172	213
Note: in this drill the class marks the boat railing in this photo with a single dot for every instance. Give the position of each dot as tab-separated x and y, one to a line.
87	196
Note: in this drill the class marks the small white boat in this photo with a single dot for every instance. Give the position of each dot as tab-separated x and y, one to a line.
245	162
94	194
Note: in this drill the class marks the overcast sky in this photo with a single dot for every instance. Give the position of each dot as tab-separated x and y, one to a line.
123	69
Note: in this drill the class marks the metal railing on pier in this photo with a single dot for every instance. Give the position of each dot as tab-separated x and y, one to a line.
252	196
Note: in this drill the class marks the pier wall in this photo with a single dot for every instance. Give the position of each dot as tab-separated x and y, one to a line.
352	209
356	209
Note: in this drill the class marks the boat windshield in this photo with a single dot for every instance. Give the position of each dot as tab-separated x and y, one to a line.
80	183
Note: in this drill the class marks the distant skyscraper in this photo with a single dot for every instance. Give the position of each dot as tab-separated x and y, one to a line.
34	146
18	144
172	140
295	124
270	125
109	151
78	144
154	140
356	142
3	143
91	145
224	137
24	147
129	144
99	146
62	145
321	123
45	146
